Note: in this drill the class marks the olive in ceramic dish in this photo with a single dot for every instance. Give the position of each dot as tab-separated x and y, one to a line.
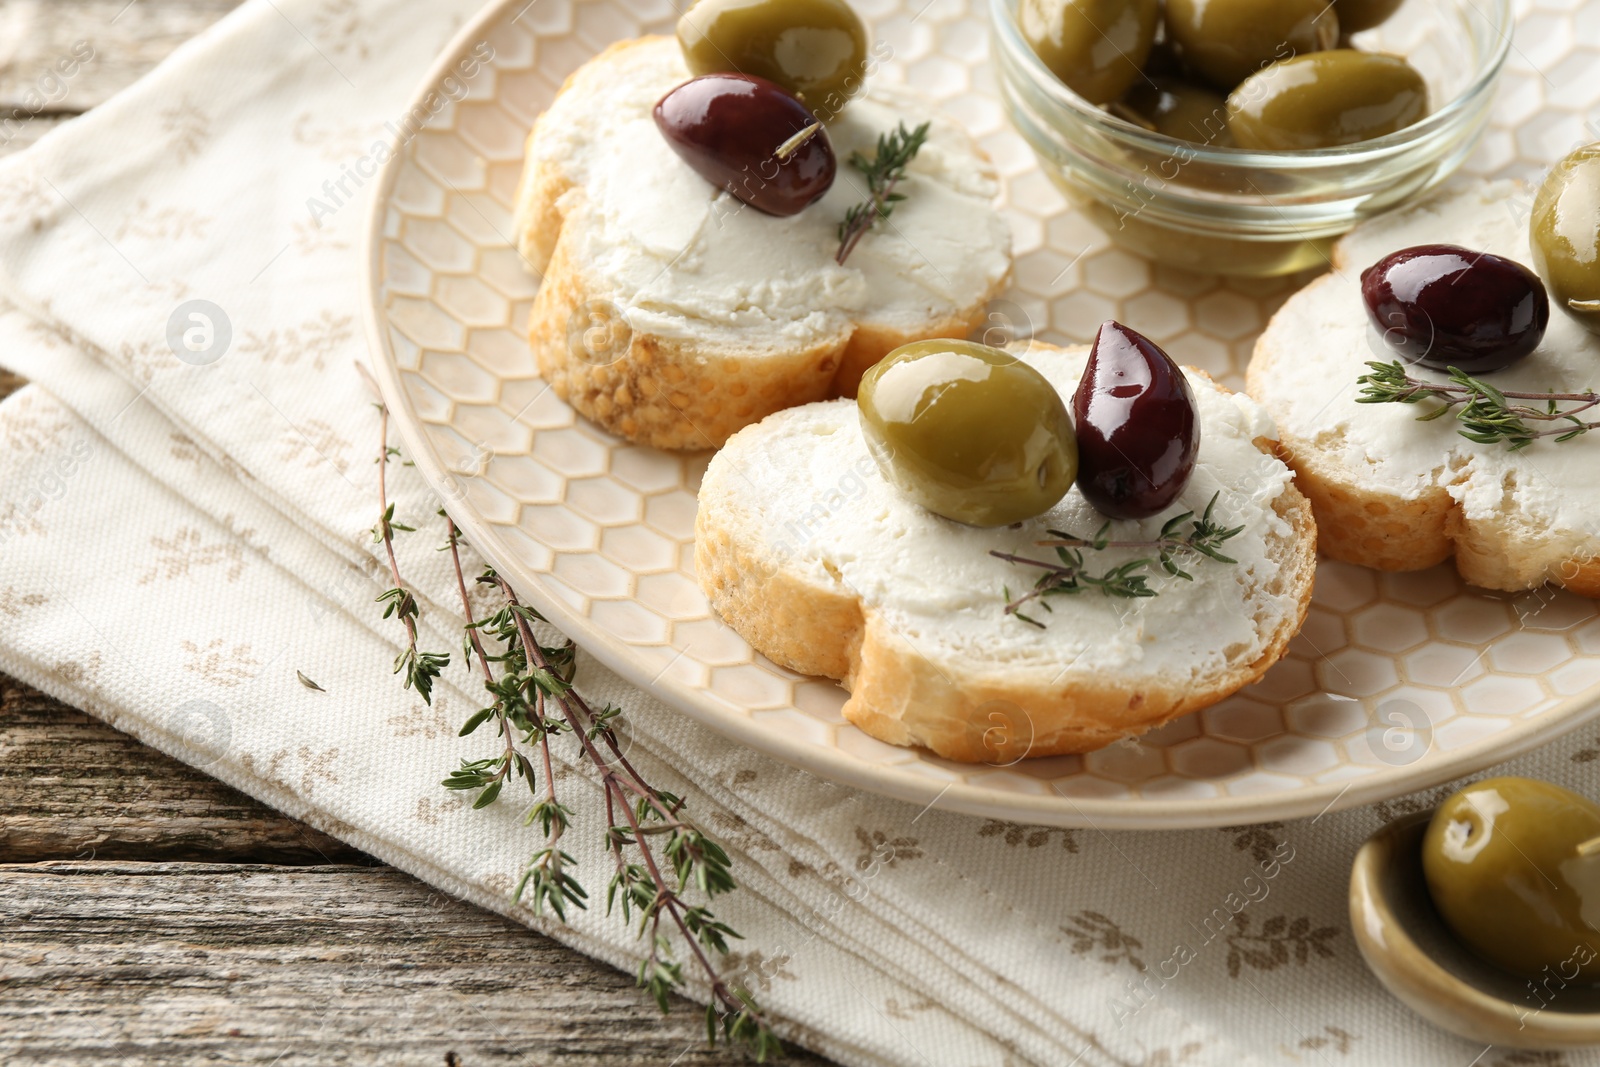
1513	867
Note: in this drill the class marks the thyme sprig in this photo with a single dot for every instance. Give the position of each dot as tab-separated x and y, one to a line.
642	888
1068	574
519	706
883	172
658	852
420	668
1487	414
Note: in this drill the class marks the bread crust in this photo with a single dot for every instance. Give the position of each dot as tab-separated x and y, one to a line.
965	712
661	391
664	392
870	343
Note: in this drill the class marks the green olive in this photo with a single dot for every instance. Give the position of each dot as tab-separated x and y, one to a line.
1506	869
1229	40
1358	15
1326	99
1096	47
816	49
968	431
1181	109
1564	233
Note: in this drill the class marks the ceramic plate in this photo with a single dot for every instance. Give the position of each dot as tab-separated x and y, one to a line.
1398	681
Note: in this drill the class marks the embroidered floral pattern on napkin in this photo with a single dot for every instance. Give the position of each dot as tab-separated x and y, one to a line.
222	511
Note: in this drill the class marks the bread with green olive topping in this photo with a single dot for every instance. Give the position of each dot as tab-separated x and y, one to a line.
809	552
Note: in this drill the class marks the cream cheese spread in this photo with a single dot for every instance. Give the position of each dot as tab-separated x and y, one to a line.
686	258
833	516
1321	341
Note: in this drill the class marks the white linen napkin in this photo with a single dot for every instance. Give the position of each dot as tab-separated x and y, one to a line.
177	542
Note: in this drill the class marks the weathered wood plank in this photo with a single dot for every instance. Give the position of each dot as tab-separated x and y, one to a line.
72	787
166	963
234	962
126	38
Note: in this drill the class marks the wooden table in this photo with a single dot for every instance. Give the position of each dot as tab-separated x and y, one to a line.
150	915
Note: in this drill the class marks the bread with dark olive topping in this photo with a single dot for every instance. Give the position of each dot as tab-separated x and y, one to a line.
673	314
823	565
1398	494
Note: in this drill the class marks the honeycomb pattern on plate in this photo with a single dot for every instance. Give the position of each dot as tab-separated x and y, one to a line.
1396	681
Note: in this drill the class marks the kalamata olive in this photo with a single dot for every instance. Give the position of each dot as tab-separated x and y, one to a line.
1138	430
1506	869
730	129
1443	306
816	49
968	431
1326	99
1096	47
1229	40
1564	232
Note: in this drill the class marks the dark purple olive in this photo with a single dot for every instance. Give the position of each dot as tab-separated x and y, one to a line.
1138	430
731	127
1443	306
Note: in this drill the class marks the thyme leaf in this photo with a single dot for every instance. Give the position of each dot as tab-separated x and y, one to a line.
660	855
420	668
1069	574
1488	415
882	173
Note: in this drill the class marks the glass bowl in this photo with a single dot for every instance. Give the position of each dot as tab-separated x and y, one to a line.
1236	211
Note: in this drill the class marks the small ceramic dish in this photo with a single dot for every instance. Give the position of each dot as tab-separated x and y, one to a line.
1407	945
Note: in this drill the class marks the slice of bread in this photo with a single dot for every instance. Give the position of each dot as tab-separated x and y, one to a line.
827	569
1397	494
674	315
